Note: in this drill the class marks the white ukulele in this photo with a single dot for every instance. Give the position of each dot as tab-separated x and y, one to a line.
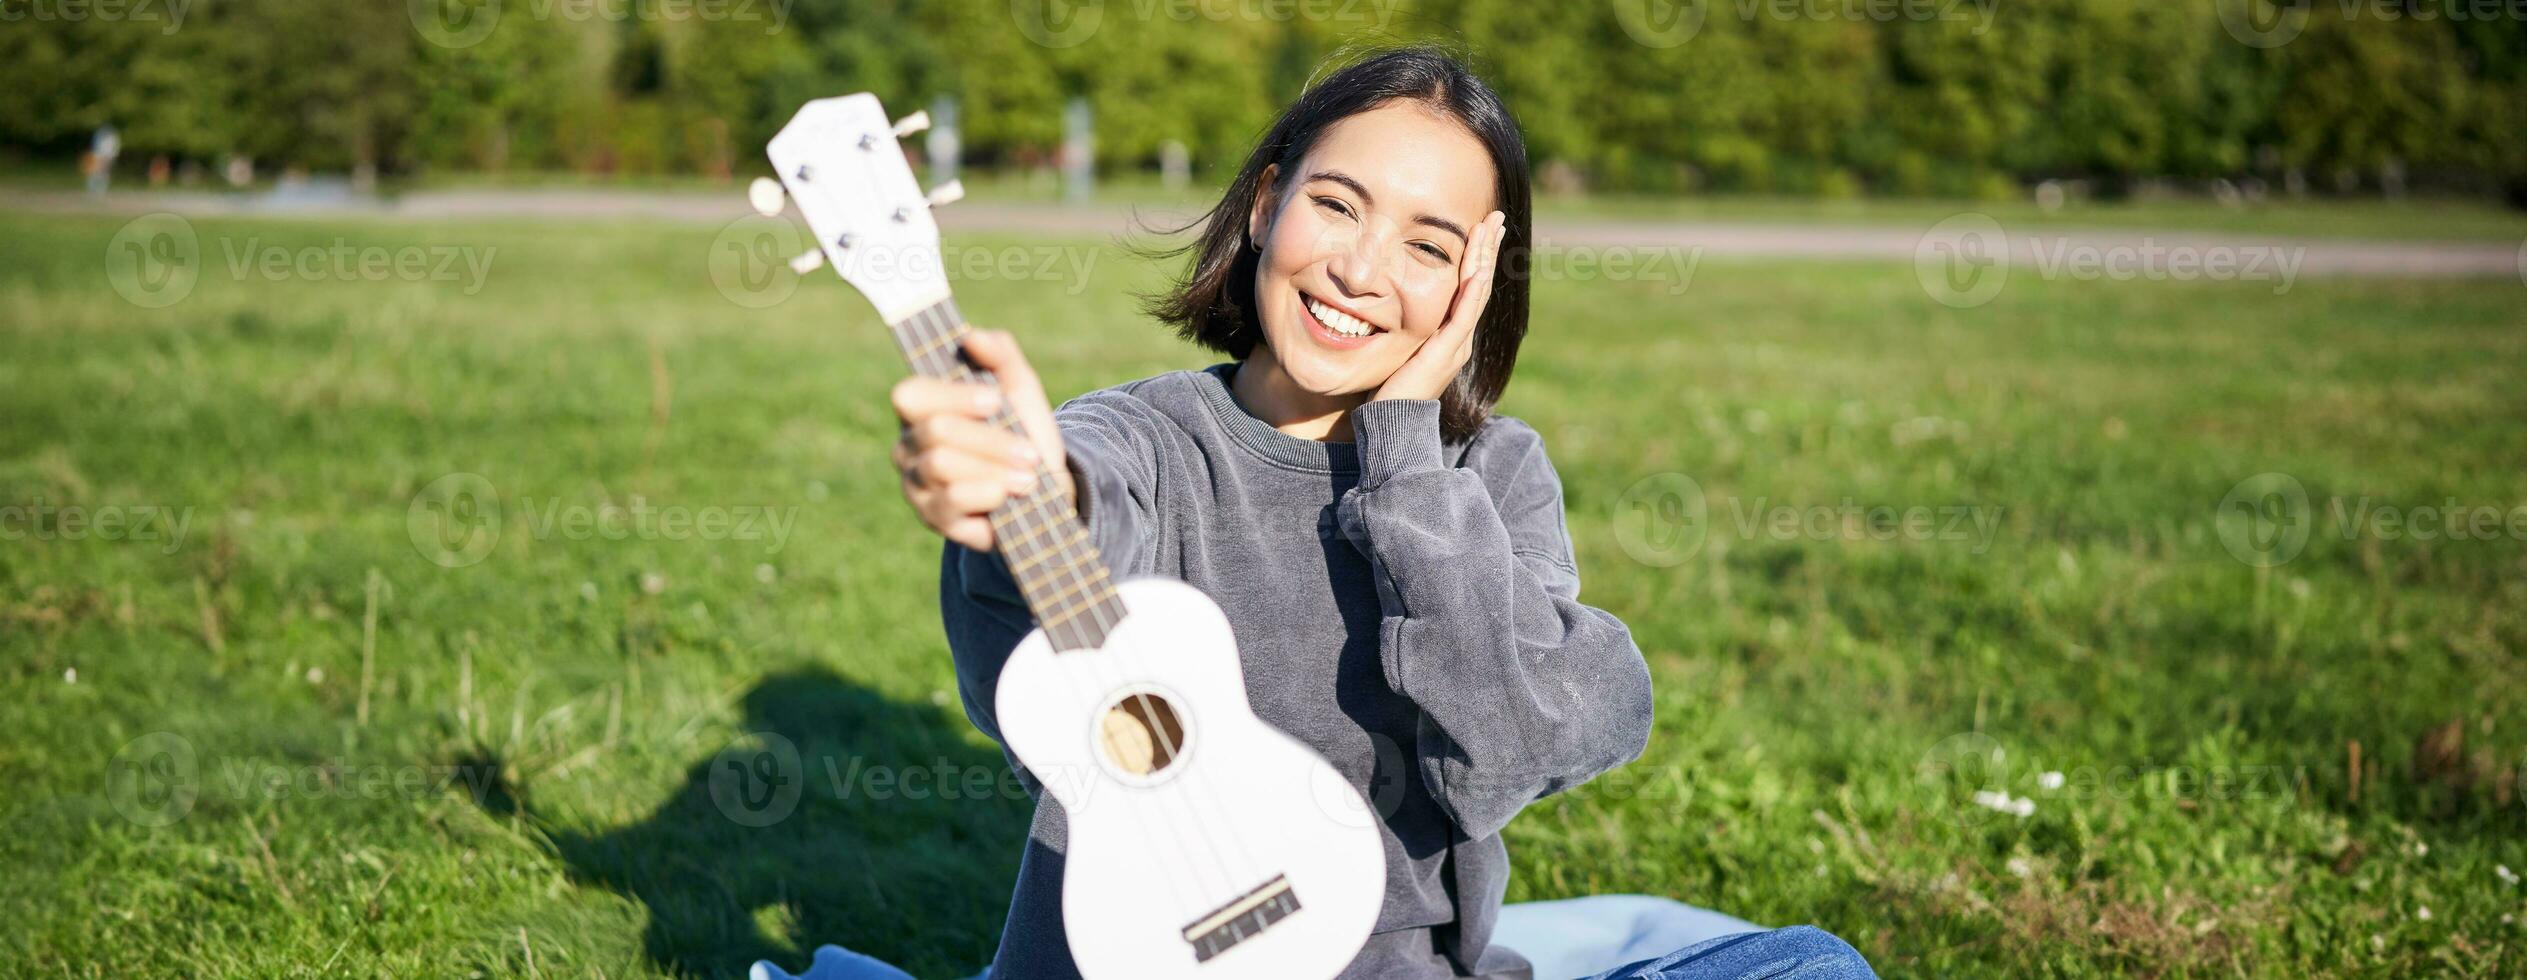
1203	842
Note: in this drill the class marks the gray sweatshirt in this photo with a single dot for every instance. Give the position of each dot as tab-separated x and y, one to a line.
1406	607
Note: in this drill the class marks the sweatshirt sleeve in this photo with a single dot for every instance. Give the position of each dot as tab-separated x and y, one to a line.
1523	691
1107	436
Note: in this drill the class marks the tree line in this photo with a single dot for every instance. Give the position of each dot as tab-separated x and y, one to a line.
1831	97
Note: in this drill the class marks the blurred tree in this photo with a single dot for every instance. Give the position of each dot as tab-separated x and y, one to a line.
509	101
1808	99
2367	90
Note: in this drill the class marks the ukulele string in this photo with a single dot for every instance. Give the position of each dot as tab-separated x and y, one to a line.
1022	518
937	336
1239	871
1074	578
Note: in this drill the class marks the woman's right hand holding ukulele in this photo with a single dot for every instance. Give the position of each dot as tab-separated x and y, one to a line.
957	465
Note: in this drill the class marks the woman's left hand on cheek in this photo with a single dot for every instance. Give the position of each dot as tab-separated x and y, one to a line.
1428	372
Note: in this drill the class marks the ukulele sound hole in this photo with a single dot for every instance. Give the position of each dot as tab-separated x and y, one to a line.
1142	734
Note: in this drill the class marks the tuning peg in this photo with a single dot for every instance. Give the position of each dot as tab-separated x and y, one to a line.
766	195
918	121
947	193
807	261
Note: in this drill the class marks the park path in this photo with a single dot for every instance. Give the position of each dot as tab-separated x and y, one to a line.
2053	248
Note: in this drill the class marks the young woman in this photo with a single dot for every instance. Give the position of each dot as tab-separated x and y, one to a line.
1390	554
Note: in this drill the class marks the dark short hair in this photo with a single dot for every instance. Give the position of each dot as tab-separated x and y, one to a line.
1214	304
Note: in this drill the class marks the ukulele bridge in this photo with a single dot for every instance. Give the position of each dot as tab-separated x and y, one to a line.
1243	918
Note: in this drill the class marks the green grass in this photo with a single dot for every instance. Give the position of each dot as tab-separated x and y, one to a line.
1826	701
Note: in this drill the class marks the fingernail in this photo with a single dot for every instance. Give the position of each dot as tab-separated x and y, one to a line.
1024	453
986	399
1020	481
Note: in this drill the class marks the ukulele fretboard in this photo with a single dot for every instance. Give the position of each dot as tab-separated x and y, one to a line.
1039	533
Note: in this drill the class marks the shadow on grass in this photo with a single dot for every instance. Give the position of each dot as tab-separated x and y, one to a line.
839	817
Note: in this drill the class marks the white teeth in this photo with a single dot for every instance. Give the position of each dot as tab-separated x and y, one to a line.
1337	320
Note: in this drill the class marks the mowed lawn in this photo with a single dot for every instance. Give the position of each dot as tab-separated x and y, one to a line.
2055	725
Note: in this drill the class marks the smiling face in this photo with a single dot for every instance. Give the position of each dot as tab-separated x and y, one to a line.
1363	242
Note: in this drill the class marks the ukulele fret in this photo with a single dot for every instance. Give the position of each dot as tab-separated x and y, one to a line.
1093	579
1020	566
1029	527
1070	612
932	346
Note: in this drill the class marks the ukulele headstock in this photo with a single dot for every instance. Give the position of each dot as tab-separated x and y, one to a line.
842	165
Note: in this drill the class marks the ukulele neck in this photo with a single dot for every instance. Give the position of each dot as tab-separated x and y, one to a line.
1038	533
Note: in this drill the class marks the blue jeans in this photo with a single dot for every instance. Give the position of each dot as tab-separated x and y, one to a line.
1644	937
1601	937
